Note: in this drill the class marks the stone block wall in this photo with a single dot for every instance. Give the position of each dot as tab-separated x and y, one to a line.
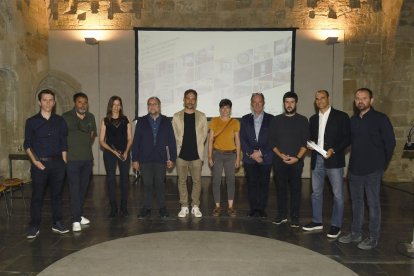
23	63
379	51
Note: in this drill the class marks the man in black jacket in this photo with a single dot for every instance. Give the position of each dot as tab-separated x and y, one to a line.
373	143
153	152
257	154
330	130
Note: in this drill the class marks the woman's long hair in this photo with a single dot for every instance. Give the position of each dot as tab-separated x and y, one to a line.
108	117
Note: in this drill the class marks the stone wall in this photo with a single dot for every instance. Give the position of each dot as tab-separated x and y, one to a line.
398	96
378	43
23	63
378	40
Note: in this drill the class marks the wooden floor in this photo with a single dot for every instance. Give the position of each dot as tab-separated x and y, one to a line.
23	257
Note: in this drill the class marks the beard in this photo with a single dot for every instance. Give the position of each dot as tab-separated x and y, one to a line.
362	107
154	113
81	111
293	111
189	106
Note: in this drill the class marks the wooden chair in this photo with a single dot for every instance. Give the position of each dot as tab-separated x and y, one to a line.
3	193
15	183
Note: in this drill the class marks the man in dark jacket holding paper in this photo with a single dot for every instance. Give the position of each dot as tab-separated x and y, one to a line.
153	151
330	131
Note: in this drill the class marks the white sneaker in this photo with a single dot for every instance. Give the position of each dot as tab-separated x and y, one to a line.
184	212
84	221
196	212
76	227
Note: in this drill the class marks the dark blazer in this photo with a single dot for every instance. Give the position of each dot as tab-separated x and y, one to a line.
337	136
248	138
143	148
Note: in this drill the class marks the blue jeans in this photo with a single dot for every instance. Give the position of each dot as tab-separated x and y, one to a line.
335	177
370	184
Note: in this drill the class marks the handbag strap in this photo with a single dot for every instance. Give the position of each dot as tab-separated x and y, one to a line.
221	131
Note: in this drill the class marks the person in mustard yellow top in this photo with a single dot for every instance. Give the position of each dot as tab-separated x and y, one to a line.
224	152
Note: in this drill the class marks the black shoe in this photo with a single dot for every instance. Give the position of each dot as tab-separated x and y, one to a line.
145	213
262	214
334	232
58	227
312	226
252	213
279	220
33	232
164	213
124	213
114	210
295	223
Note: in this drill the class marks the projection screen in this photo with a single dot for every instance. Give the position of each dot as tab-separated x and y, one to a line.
217	63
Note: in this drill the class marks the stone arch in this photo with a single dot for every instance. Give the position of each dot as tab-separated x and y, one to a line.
64	87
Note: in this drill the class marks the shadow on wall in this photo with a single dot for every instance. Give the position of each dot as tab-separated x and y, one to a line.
64	86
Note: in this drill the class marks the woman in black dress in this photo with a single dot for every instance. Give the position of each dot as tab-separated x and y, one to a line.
116	139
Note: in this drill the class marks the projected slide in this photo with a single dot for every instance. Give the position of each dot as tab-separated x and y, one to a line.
217	64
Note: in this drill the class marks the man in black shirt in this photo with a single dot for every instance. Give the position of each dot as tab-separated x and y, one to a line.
46	145
288	135
372	145
190	130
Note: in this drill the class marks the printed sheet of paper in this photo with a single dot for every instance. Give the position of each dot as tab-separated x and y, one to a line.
315	146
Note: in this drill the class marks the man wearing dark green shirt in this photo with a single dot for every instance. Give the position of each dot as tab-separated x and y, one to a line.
82	131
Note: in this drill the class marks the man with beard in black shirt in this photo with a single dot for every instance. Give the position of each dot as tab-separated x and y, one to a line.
288	135
372	145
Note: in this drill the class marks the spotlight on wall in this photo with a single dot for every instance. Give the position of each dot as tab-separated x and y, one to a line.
331	40
91	41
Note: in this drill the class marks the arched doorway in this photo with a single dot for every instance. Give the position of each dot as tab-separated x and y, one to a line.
63	89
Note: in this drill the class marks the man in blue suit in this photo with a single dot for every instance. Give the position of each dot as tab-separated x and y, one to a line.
153	151
257	154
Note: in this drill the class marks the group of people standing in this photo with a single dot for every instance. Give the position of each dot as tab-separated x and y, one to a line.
57	145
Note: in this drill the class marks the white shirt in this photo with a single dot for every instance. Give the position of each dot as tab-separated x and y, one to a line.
323	119
258	119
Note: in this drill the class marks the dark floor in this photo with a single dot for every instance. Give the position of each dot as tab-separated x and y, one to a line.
23	257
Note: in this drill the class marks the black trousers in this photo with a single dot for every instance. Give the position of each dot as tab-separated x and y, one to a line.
111	161
288	176
258	177
78	174
153	176
53	176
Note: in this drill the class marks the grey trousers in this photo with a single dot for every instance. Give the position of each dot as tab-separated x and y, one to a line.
226	161
370	185
153	176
